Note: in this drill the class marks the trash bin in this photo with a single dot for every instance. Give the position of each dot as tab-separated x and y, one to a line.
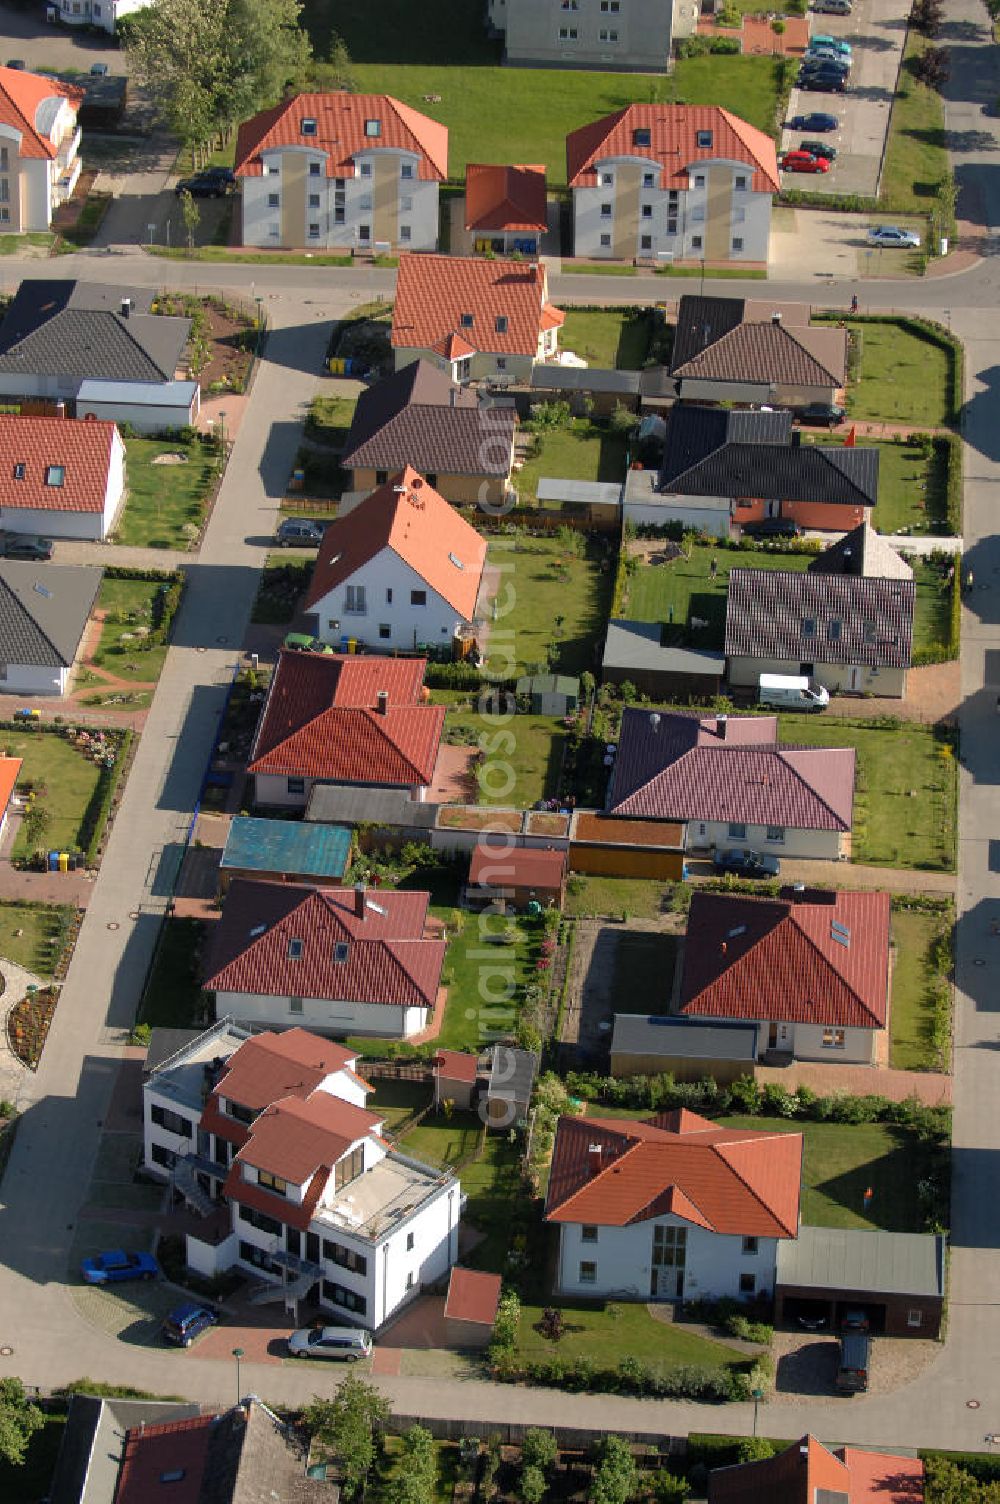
53	861
64	861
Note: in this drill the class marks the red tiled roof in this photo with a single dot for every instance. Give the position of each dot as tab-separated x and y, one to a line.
677	767
673	144
819	958
81	447
504	198
340	133
472	1296
876	1476
408	516
792	1477
21	96
453	347
320	721
293	1139
516	867
177	1446
10	768
434	292
456	1065
615	1172
270	1066
387	959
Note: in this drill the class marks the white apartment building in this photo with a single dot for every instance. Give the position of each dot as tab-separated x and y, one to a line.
631	35
39	148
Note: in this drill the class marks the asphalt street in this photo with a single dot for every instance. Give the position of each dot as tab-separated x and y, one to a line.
957	1400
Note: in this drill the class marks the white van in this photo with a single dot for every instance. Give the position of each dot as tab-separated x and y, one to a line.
792	692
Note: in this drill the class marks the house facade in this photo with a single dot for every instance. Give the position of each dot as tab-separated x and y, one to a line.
340	169
63	477
474	319
268	1139
626	35
39	148
670	1208
672	183
102	14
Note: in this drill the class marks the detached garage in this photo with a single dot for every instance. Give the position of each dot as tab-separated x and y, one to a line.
896	1278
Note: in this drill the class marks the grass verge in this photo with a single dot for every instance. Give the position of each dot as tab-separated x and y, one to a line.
166	501
173	997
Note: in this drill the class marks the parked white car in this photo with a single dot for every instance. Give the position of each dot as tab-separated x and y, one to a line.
890	235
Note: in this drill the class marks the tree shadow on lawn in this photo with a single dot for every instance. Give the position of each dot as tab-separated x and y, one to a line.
893	1178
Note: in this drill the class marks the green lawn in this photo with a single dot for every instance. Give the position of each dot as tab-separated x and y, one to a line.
905	378
491	1184
130	607
841	1161
605	1332
397	1100
912	488
34	937
476	971
552	598
917	155
444	1141
166	503
581	450
905	791
531	750
607	337
173	997
912	1017
601	897
70	782
330	419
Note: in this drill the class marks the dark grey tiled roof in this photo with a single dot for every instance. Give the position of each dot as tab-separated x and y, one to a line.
700	322
76	329
714	452
44	609
418	417
728	340
820	618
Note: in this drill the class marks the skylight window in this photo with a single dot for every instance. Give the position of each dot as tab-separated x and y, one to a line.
340	951
704	138
456	561
739	929
258	929
808	626
841	934
501	323
295	950
55	475
641	136
308	127
466	320
373	127
833	630
174	1476
19	470
41	589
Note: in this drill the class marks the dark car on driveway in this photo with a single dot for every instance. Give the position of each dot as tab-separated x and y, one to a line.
772	527
820	414
745	863
213	182
299	532
819	149
815	122
24	546
185	1323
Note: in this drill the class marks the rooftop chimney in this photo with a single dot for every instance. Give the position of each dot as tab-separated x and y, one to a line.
359	900
594	1159
382	702
797	439
126	307
721	726
775	318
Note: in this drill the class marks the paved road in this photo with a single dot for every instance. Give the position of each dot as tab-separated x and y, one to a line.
50	1166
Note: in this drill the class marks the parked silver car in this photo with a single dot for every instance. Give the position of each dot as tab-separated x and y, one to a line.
345	1344
892	235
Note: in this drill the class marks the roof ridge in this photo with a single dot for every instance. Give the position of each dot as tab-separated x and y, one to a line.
375	716
406	940
781	751
829	454
742	1143
742	128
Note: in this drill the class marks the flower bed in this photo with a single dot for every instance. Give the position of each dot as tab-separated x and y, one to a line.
28	1024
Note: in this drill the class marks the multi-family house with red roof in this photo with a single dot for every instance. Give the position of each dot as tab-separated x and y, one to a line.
671	1207
672	183
268	1141
344	719
401	569
338	960
339	169
474	318
39	148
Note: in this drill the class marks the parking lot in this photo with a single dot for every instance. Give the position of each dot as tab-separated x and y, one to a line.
876	31
831	244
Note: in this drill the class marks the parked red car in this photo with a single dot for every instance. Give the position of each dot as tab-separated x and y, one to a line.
803	161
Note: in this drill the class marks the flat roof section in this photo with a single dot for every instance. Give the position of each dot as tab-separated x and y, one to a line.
654	1034
857	1259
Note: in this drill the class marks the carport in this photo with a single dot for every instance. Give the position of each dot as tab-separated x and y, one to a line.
895	1278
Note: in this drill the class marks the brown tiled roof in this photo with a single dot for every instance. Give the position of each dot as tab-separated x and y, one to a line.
516	867
680	767
418	417
409	517
862	552
820	958
31	446
764	352
500	197
615	1172
340	133
472	1296
434	294
673	144
387	959
270	1066
857	621
321	721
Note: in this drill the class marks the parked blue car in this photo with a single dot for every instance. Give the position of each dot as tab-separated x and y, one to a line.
116	1265
186	1323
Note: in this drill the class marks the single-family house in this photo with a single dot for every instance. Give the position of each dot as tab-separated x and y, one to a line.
476	319
64	477
347	720
269	1141
403	569
753	351
807	1472
723	468
673	1207
100	350
44	611
516	875
810	968
86	1470
336	960
849	632
341	169
461	442
285	851
732	784
39	148
672	182
505	208
630	37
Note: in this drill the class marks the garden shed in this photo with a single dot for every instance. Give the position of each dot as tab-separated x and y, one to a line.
470	1307
551	694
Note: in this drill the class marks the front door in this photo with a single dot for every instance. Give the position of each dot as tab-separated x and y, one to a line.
772	1036
312	1247
854	680
667	1272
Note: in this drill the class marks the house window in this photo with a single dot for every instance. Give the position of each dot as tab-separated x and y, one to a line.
748	1284
295	1005
834	1039
418	597
295	785
388	593
259	1220
699	180
404	232
740	182
172	1122
775	833
605	211
646	243
750	1246
274	230
704	138
314	169
501	362
648	180
607	179
271	169
500	324
409	1279
869	633
406	170
4	159
409	1242
808	626
4	190
671	227
340	951
381	477
365	169
354	600
314	200
588	1272
384	631
588	1234
567	33
606	240
406	204
348	1299
295	950
737	830
641	136
345	1257
55	475
165	1158
608	36
696	242
914	1318
348	1168
273	200
308	127
647	211
314	231
614	6
365	203
737	242
698	215
272	1182
833	630
373	127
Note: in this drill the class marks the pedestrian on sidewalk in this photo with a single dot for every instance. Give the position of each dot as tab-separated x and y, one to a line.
854	303
713	568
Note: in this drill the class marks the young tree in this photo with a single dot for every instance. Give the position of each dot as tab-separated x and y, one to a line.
415	1481
191	215
348	1424
337	72
538	1449
614	1478
533	1486
19	1420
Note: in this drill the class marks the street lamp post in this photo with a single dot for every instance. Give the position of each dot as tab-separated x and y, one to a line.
756	1395
222	431
238	1353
